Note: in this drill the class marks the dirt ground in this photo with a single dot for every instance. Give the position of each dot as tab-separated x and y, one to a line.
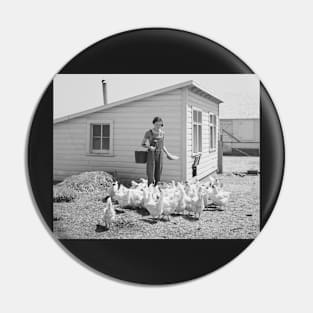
240	164
81	219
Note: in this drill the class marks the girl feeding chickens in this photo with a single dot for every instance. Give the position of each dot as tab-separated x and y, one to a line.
154	141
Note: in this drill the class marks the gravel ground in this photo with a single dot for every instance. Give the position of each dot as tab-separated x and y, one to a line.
240	164
239	220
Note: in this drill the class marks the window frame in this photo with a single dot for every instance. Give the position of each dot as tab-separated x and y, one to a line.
213	125
100	152
197	124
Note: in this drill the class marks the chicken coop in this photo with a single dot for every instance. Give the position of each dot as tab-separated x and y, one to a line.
105	138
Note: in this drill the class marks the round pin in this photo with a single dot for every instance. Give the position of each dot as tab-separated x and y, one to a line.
155	156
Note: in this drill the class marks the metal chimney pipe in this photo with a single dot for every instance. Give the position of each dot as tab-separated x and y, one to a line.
104	91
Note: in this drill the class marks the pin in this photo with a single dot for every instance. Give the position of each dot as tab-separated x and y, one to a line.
221	177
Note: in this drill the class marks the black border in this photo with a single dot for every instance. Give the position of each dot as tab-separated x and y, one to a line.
157	51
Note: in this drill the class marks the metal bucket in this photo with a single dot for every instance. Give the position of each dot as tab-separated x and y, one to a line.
141	156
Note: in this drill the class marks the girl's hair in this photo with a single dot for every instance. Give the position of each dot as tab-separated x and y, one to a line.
157	119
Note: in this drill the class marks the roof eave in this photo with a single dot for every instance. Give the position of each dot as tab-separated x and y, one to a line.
189	83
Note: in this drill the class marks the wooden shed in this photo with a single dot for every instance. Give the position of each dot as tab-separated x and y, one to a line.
105	138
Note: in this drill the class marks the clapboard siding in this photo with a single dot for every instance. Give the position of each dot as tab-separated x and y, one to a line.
131	120
208	161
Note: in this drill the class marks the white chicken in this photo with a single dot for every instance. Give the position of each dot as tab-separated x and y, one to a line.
206	191
113	190
108	213
186	197
198	205
134	184
155	192
165	205
174	197
144	181
219	197
181	205
135	198
123	196
153	207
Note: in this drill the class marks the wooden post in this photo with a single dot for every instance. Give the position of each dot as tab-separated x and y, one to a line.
220	155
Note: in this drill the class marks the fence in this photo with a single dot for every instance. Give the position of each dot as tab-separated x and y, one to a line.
236	147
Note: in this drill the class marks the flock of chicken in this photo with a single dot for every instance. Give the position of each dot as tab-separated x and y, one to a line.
162	201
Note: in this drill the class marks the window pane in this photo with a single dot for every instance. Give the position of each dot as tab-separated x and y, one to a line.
96	130
96	141
214	137
199	117
200	138
194	142
195	116
106	130
105	143
211	137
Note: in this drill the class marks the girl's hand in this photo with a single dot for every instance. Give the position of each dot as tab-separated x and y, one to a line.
152	148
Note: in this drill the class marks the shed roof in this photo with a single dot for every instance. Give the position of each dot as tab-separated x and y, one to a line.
188	84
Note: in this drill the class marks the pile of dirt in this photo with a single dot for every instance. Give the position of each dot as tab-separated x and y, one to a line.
86	182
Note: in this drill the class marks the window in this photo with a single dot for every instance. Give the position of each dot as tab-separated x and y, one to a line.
196	131
100	137
213	131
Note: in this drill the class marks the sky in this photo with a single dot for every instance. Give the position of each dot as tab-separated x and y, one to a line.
73	93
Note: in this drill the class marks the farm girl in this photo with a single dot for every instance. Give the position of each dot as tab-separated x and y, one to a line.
156	147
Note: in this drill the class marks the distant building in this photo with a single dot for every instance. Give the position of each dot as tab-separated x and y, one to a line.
240	127
241	136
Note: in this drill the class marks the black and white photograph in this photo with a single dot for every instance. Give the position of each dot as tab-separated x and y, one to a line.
156	156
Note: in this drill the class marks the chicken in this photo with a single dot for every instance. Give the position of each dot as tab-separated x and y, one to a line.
206	198
134	184
165	205
171	197
173	202
206	191
143	184
113	189
186	198
134	197
155	192
152	206
108	213
145	197
144	181
167	198
181	205
198	204
123	196
219	197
